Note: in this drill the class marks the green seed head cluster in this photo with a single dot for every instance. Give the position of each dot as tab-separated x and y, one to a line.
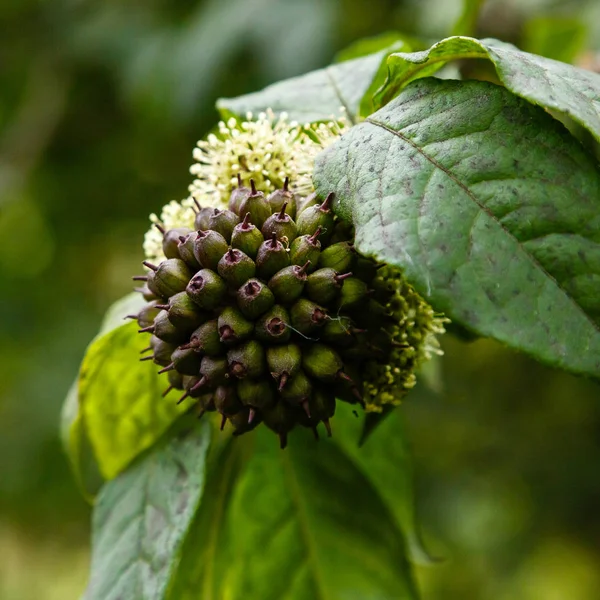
265	313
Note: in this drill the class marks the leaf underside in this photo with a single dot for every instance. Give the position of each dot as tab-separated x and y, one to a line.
141	518
491	208
549	83
321	95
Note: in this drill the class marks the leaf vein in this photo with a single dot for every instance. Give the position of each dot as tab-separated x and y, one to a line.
487	211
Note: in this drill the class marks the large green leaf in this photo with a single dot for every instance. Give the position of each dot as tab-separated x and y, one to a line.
319	95
141	518
120	399
310	522
543	81
491	208
72	428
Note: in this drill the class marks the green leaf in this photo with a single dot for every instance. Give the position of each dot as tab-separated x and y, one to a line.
489	206
385	459
467	22
548	83
72	428
320	95
312	521
120	398
141	518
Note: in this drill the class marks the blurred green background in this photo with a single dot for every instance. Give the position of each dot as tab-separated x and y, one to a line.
100	106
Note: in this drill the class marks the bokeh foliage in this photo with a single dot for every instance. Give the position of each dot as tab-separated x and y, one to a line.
100	105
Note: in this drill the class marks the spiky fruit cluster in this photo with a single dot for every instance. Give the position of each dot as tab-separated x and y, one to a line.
266	313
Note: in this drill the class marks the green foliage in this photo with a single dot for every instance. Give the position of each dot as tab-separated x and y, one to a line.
338	90
120	399
142	516
475	194
489	207
539	80
314	521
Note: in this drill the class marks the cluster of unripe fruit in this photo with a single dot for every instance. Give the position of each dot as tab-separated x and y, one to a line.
266	313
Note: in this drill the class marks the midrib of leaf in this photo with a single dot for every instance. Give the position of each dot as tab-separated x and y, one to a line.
474	199
218	520
297	494
401	81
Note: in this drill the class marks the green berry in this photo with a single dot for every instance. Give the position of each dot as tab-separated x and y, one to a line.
257	206
297	389
272	327
238	195
247	360
338	256
354	293
307	317
281	226
186	361
246	237
205	339
256	393
202	218
283	199
236	268
306	248
317	216
209	248
272	256
254	298
170	276
324	285
283	362
322	362
206	289
171	241
223	222
233	326
185	247
288	284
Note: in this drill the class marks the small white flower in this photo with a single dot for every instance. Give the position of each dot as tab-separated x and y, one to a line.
267	150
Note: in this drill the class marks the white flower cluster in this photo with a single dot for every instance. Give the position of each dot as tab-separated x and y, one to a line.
267	150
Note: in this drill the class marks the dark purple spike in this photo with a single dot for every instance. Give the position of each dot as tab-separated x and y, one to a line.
183	397
326	206
150	265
